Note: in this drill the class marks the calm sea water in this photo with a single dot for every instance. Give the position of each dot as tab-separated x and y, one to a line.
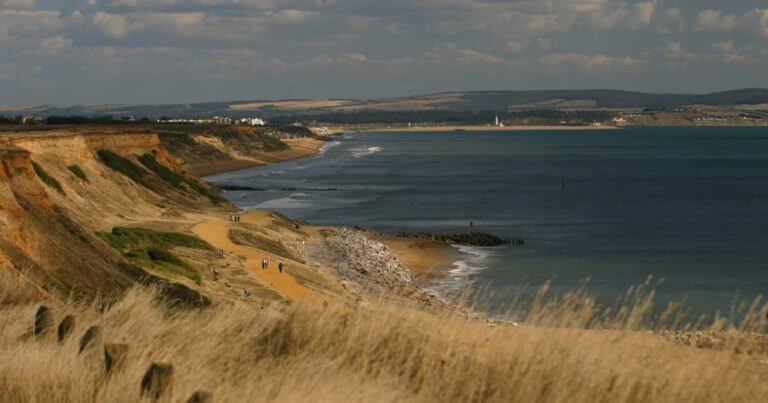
686	205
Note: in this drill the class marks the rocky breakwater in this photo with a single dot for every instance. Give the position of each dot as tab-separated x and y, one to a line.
460	238
367	263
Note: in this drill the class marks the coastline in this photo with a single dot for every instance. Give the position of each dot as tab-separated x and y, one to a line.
425	259
491	128
299	148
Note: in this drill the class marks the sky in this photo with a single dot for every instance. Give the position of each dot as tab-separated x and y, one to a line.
182	51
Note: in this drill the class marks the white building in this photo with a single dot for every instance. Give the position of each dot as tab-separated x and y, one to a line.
253	121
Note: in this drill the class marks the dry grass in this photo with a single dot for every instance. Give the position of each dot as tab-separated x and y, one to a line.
338	352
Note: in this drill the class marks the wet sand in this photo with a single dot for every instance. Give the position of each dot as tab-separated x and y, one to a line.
425	258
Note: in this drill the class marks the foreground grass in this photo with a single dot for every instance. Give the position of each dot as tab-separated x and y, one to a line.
384	352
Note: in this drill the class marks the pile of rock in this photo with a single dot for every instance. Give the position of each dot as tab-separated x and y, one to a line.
353	257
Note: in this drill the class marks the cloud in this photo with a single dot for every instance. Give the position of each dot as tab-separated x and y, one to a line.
113	25
670	21
588	62
416	45
55	44
755	20
714	21
17	3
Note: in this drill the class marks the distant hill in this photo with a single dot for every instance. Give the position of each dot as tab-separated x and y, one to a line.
449	101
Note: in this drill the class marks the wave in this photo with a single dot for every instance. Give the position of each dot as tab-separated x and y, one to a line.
327	147
473	260
359	152
294	201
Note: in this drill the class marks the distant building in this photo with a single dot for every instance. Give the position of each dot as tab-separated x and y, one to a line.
220	120
253	121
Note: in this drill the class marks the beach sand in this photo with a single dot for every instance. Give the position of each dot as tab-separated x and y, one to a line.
426	259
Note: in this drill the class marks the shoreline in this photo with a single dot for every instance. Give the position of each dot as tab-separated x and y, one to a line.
425	259
299	148
490	128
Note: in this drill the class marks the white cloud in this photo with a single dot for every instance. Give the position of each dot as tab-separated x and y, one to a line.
588	62
714	20
755	20
55	44
112	25
670	21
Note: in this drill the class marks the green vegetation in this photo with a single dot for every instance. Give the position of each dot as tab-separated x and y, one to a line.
162	171
214	197
150	249
78	172
124	238
124	166
47	179
177	180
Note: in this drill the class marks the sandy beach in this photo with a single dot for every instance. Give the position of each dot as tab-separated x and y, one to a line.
426	259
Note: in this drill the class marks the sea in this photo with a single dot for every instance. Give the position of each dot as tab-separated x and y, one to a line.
603	210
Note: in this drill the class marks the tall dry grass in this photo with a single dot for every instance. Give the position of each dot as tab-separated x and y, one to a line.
384	352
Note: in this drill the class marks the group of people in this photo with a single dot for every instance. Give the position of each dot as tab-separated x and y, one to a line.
234	218
265	265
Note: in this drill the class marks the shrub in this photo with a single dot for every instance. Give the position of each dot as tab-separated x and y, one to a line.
151	248
47	179
213	196
162	255
125	239
177	180
124	166
162	171
78	172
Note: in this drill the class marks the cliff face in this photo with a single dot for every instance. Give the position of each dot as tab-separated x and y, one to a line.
82	148
49	214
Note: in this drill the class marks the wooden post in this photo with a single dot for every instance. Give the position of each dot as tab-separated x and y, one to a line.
115	356
91	336
157	380
43	321
66	327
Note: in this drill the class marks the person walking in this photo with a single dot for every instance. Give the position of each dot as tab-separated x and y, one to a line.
280	267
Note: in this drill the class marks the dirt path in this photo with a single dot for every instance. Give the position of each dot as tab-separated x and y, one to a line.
216	233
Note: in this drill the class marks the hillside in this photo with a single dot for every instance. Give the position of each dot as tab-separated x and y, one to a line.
62	190
449	101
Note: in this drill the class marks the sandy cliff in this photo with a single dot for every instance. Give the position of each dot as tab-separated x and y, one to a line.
48	231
